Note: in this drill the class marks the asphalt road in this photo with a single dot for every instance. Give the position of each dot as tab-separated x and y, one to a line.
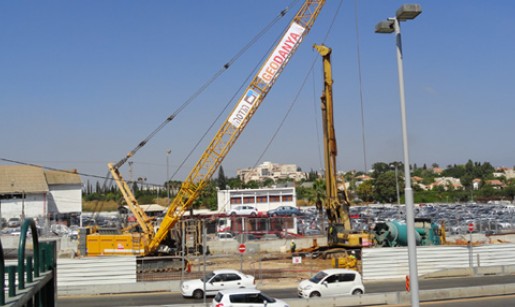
490	301
146	299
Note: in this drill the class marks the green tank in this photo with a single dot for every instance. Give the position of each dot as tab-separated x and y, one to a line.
394	233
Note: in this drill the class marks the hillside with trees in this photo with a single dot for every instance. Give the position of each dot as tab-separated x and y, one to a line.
469	182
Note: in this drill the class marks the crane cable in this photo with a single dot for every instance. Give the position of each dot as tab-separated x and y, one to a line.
358	52
294	101
242	85
203	87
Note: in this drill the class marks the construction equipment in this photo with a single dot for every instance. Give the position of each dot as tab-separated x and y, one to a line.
147	242
337	203
394	233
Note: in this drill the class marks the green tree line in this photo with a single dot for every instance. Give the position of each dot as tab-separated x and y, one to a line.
384	184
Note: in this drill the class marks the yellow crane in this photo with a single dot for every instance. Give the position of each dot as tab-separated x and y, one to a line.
147	242
337	203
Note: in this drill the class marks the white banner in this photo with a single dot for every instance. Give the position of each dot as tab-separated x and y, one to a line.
243	108
280	55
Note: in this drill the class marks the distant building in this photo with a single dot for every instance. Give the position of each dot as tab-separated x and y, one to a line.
269	170
263	199
496	184
437	170
475	183
27	191
446	183
508	173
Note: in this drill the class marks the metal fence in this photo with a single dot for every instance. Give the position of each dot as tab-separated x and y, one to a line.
31	280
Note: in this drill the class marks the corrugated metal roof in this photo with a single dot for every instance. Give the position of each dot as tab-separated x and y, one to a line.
57	177
31	179
21	178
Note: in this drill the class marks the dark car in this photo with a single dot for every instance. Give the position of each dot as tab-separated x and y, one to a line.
285	211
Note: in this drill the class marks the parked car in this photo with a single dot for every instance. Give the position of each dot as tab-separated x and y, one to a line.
14	222
312	232
332	282
224	236
285	211
269	236
216	281
244	298
243	210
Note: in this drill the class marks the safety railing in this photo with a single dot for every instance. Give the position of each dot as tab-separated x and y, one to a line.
32	281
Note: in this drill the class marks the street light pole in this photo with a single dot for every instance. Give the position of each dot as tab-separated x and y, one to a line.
408	191
405	12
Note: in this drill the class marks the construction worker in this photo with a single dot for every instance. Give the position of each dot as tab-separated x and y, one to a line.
352	261
293	246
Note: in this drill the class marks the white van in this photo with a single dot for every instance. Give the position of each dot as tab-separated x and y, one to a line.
332	282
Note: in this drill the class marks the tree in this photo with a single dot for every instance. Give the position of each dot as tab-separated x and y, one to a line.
207	197
252	184
222	180
268	182
312	175
509	191
365	191
319	196
379	168
98	188
385	187
235	183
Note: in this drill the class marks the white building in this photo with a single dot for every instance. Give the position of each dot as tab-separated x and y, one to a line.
27	191
269	170
263	199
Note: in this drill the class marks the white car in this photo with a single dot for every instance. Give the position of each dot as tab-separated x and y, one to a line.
216	281
332	282
245	298
224	236
243	210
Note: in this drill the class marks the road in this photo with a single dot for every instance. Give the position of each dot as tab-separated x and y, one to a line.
491	301
145	299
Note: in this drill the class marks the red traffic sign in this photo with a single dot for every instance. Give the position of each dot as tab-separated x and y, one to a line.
242	248
471	227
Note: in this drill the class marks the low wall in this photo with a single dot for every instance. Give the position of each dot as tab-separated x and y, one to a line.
392	262
266	246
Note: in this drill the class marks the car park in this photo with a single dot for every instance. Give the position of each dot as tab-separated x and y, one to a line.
216	281
332	282
243	210
245	298
285	211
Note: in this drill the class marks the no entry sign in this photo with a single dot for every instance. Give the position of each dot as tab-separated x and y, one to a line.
242	248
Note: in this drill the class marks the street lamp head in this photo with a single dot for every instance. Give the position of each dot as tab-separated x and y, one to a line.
386	26
408	11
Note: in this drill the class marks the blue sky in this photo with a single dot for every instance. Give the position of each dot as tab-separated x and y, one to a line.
83	82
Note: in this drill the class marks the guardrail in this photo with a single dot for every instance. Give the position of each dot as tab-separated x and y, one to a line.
32	281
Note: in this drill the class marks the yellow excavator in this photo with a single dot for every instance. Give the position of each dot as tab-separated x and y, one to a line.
148	241
340	236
